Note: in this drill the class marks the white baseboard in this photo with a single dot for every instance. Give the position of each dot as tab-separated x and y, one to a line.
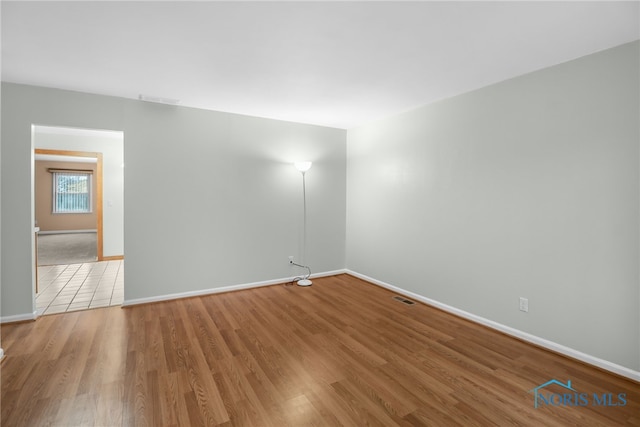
525	336
211	291
19	317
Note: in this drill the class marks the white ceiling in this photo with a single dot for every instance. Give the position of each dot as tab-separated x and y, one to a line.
336	64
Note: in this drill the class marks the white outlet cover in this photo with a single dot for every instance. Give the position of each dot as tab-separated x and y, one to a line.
524	304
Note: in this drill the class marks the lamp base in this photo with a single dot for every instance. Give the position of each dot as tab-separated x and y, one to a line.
304	282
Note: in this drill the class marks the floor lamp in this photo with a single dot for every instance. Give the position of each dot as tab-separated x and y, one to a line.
303	167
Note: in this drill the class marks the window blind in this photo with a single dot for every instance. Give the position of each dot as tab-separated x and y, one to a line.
71	192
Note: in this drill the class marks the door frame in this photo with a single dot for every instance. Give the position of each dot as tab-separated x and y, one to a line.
98	197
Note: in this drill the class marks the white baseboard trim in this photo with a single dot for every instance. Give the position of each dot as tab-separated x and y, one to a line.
19	317
211	291
66	231
525	336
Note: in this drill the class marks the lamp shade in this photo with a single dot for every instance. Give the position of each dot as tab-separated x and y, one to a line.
303	166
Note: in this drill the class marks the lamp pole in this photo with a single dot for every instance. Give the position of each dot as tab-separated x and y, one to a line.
303	167
304	219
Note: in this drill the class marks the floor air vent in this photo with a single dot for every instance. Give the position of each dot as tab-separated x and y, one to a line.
403	300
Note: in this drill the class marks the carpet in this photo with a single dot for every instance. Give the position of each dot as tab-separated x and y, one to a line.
70	248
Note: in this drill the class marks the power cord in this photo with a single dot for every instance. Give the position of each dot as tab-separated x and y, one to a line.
295	279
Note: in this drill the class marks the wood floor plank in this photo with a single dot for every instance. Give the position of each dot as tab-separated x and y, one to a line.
342	352
328	406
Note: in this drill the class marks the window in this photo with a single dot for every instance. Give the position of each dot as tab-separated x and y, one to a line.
71	192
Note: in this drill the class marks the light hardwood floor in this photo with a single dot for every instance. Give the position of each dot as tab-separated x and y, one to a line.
341	352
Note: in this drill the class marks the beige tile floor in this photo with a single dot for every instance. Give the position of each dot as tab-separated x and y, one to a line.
75	287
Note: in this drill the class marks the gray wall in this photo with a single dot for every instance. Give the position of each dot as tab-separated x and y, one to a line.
529	187
1	350
215	197
211	199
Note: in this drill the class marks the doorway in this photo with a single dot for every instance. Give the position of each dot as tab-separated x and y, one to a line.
68	206
78	209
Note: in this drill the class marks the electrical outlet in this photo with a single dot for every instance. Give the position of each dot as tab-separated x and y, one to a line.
290	259
524	304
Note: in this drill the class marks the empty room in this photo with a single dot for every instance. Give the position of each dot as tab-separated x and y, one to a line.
331	213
